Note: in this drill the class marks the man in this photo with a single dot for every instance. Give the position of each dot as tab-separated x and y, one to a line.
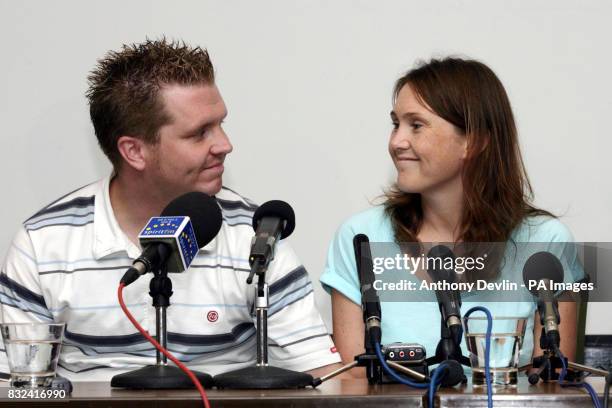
158	116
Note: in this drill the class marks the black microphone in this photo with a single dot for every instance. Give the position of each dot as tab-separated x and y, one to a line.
272	221
449	301
188	222
370	303
540	271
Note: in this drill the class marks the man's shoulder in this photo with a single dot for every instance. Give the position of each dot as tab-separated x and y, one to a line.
75	207
235	208
227	194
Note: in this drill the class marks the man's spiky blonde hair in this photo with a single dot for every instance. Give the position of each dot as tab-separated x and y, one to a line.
124	89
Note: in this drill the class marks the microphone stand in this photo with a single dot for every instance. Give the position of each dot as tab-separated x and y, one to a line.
370	305
374	369
262	375
545	366
449	347
160	376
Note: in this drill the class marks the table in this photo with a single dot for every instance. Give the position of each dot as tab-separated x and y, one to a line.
334	393
523	395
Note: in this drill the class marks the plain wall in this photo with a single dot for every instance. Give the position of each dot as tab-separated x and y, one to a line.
308	86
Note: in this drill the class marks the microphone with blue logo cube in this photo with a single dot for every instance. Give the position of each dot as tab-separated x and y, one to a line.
172	240
178	234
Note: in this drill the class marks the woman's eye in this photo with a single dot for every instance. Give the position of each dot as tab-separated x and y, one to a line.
395	125
416	125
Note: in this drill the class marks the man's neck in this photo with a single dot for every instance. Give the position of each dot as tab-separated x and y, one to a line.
133	204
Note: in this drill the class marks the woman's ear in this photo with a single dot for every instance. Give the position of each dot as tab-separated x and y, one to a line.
475	145
132	149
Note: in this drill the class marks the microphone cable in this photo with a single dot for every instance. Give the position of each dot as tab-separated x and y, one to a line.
436	379
393	374
607	389
487	348
159	347
432	386
581	383
438	373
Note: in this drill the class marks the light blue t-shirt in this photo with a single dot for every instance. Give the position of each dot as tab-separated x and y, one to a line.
419	322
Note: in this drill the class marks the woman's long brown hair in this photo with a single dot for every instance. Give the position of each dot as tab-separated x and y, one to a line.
497	192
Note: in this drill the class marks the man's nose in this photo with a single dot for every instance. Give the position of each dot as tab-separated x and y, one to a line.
222	143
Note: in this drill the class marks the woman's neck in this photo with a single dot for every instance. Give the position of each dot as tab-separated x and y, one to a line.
442	214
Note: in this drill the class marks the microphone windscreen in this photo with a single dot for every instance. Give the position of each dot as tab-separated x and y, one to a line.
363	260
279	209
358	241
542	265
454	374
203	211
438	265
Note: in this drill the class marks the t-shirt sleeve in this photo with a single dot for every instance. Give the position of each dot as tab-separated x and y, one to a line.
298	337
21	298
562	245
340	269
551	235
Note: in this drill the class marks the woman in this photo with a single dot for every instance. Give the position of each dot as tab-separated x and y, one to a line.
460	178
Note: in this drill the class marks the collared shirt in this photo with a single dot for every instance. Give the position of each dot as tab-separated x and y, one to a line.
65	264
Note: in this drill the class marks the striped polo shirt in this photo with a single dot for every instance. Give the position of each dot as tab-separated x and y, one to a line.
65	263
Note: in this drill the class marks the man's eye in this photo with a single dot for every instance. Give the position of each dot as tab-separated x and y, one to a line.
416	125
395	125
201	133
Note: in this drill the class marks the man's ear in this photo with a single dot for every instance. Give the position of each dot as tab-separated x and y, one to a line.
133	151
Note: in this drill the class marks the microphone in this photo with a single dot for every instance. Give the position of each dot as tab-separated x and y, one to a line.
540	270
272	221
370	303
449	301
188	223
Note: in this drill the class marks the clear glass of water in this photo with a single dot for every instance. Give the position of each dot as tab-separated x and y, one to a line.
32	350
506	342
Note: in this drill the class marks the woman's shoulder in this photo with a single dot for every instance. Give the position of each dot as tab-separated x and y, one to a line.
372	215
372	222
542	228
